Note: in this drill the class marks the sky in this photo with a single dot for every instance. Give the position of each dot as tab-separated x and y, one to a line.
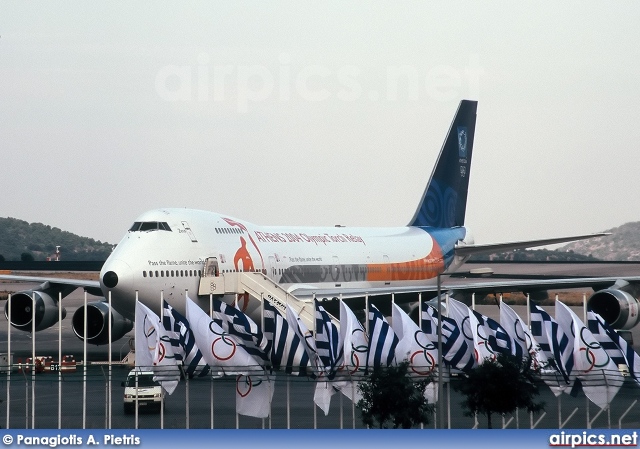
318	113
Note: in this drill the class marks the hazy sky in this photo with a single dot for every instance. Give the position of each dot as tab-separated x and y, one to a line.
318	113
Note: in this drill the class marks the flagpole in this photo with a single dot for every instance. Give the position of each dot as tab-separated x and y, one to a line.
162	324
110	361
211	379
440	358
33	361
10	361
84	365
313	327
59	360
136	367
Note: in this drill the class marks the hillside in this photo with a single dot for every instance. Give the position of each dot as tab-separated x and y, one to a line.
622	244
20	240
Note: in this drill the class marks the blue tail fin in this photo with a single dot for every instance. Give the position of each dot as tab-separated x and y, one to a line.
444	201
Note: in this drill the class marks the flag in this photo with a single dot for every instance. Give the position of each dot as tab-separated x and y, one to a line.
488	336
413	345
254	388
242	329
523	343
599	327
183	342
254	394
324	390
286	349
459	313
219	350
154	350
382	340
355	344
554	342
328	344
598	375
456	350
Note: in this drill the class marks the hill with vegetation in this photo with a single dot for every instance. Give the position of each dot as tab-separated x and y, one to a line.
622	244
20	240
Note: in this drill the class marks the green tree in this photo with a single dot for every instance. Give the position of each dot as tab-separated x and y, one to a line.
26	257
389	394
500	386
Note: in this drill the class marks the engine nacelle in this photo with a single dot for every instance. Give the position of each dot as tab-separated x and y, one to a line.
46	310
617	307
98	323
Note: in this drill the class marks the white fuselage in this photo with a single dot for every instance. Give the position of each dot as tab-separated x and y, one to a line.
164	255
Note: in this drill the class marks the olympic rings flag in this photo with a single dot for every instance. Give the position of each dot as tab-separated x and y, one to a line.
599	376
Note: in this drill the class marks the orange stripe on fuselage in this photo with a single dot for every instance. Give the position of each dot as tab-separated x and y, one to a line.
426	268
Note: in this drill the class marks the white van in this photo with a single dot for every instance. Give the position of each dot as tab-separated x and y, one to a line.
149	394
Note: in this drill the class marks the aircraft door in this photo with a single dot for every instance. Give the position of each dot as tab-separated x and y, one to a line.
273	268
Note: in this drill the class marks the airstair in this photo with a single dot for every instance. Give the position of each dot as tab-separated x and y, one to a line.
256	285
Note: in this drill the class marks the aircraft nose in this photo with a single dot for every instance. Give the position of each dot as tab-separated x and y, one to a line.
116	275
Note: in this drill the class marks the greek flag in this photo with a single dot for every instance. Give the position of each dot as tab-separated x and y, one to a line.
328	343
287	350
382	340
619	350
489	337
460	313
456	351
183	342
554	341
242	328
324	390
599	376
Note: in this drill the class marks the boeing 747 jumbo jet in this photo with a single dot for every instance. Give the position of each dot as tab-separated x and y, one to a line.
175	252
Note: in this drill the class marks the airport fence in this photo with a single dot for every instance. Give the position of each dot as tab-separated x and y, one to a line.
95	399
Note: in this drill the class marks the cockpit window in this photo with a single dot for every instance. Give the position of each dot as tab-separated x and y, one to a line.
150	226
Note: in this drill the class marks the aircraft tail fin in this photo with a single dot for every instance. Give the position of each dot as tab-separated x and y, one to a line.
444	201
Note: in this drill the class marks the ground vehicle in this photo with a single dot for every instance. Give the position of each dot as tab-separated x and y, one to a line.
148	395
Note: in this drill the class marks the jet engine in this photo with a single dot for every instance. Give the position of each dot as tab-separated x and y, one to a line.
98	323
617	305
46	310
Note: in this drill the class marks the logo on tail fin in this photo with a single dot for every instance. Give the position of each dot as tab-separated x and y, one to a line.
462	141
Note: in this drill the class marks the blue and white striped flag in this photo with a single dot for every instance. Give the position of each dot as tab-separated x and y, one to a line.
324	390
489	337
455	348
287	350
183	342
382	340
554	341
461	314
328	344
242	328
620	351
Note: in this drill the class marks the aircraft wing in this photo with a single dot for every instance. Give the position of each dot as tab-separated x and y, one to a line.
470	250
92	287
483	286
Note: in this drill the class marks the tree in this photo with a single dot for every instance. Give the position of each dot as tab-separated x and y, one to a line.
26	257
501	385
389	394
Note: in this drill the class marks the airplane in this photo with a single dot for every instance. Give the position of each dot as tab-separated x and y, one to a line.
171	250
